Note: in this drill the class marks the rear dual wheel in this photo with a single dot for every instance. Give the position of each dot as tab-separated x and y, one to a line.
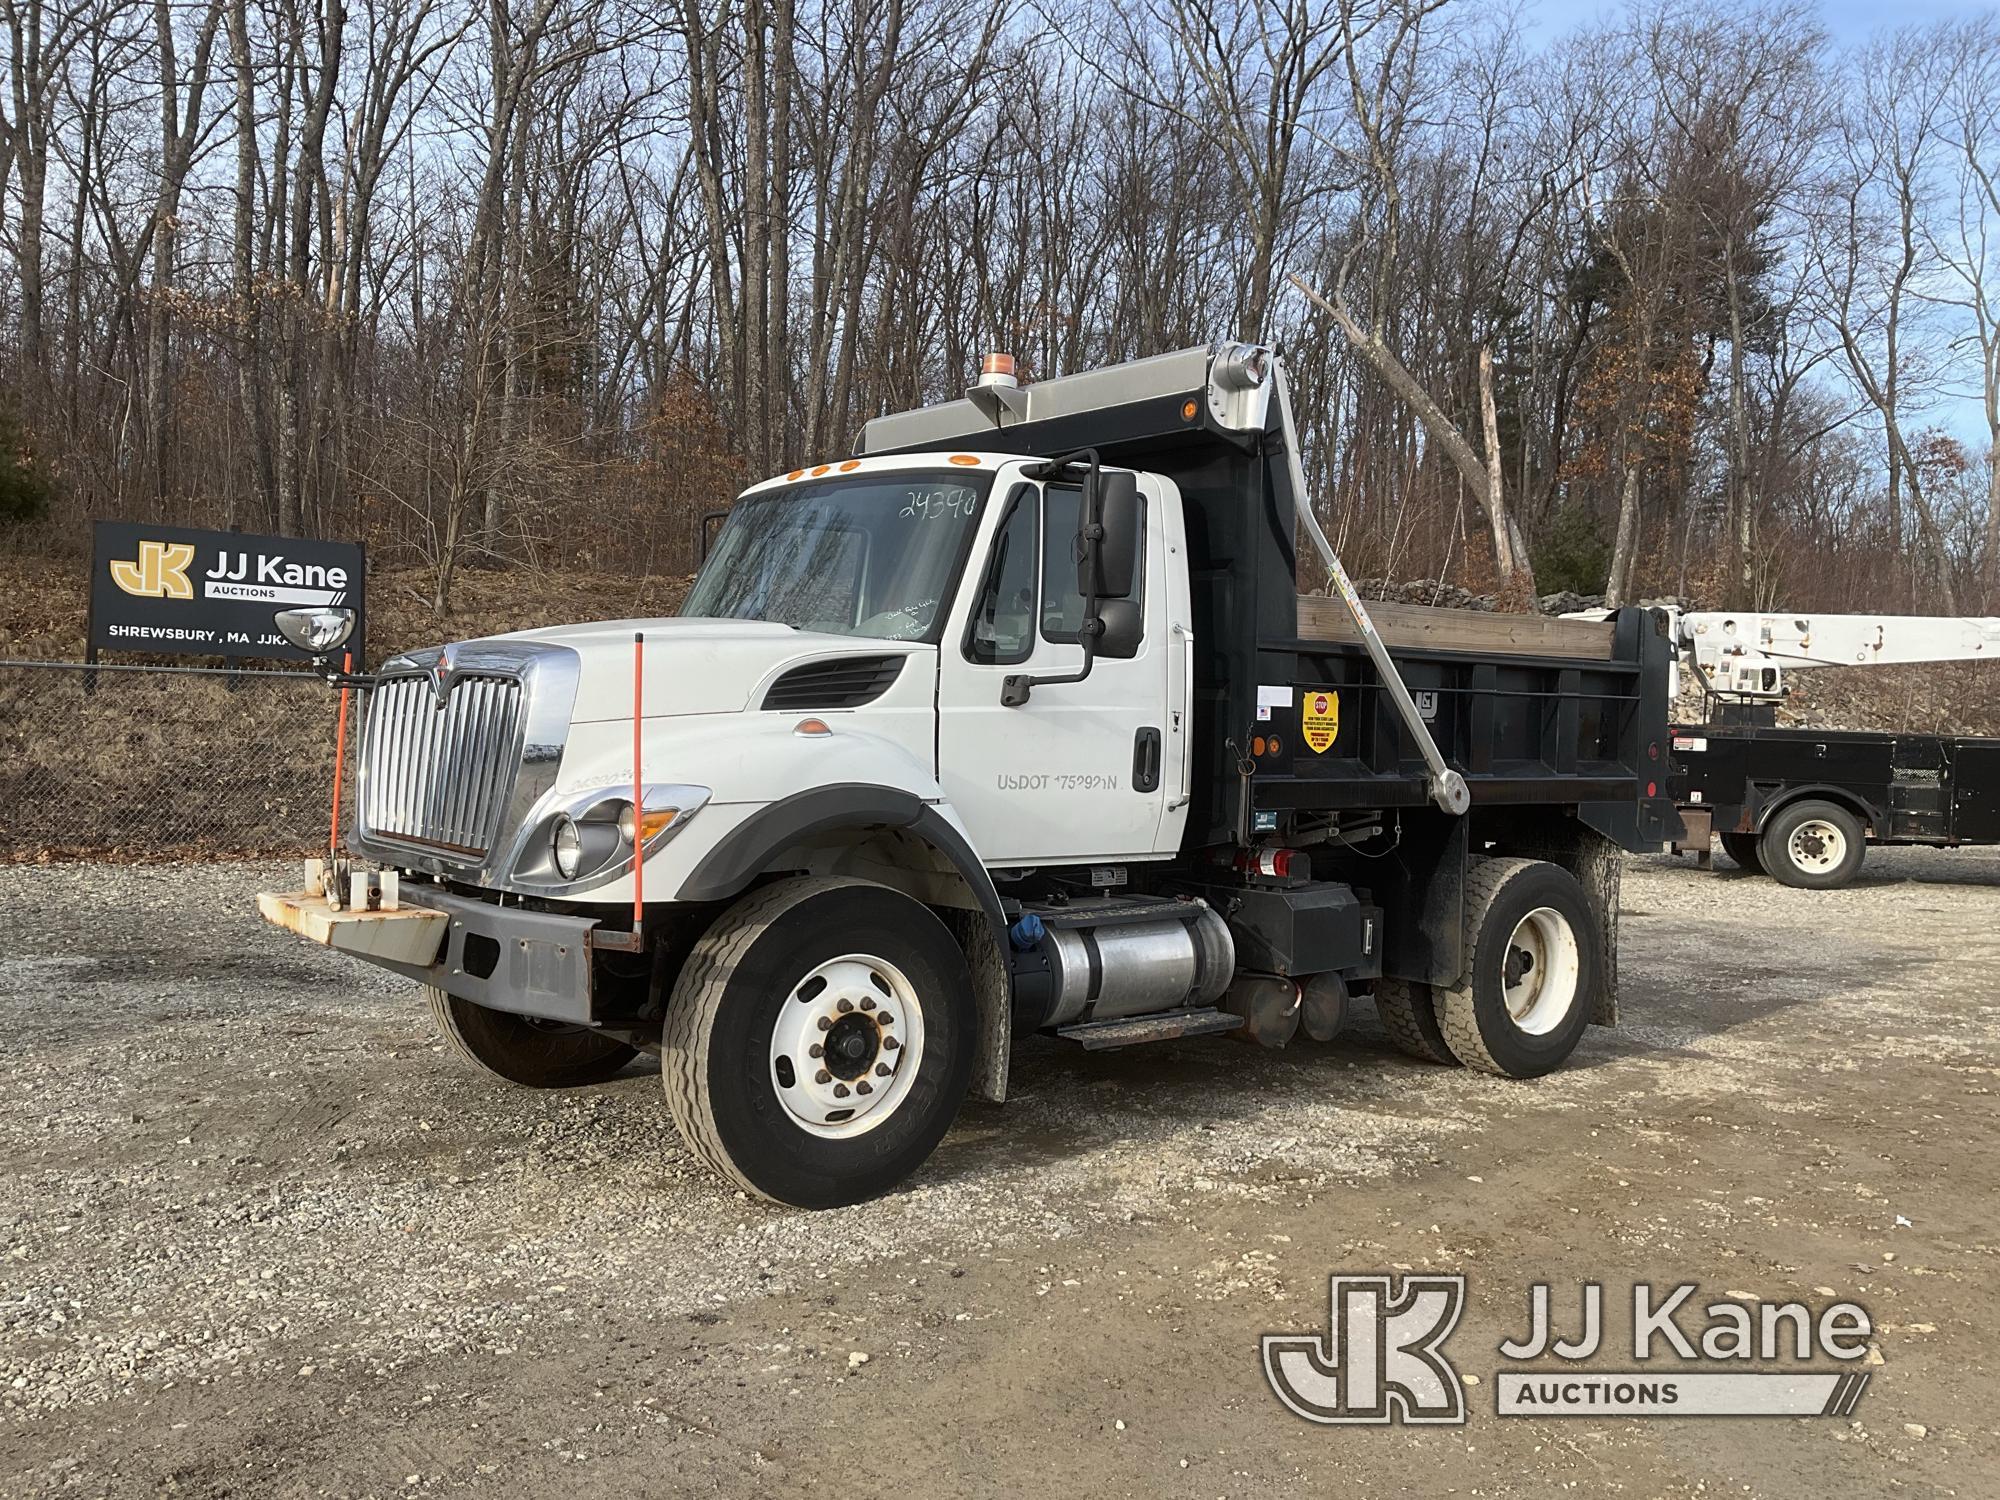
1533	972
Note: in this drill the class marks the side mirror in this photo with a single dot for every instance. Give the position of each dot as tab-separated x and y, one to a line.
1120	628
1104	567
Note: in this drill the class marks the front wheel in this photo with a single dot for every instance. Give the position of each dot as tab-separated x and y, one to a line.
819	1041
1533	969
1815	846
524	1049
1742	849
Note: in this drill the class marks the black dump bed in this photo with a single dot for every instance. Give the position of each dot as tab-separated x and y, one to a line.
1554	714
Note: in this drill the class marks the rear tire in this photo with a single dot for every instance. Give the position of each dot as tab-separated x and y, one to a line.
1813	846
819	1041
1409	1014
1534	968
1742	848
522	1049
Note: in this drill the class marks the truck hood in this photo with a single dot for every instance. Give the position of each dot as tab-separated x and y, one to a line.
693	666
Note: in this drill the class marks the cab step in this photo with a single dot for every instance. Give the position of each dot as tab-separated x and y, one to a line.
1129	1031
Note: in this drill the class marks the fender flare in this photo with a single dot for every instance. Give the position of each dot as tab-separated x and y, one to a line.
1788	792
727	869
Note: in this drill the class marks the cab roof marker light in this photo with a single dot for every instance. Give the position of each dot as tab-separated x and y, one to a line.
811	727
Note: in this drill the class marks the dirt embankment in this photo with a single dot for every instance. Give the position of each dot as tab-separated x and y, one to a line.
149	766
45	606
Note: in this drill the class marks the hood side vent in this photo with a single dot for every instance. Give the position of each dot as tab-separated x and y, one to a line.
844	682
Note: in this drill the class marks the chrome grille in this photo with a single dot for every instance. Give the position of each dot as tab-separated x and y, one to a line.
436	775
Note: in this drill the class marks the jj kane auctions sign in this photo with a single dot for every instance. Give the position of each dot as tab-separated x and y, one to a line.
213	593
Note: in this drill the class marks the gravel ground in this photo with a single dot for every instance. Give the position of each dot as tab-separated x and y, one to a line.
260	1235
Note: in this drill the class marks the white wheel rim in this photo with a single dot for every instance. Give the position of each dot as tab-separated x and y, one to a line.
1817	846
1539	975
847	1045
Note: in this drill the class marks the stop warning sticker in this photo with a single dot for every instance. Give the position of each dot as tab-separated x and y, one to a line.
1319	720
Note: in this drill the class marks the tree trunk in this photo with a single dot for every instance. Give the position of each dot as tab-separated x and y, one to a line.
1617	586
245	326
1742	503
1517	573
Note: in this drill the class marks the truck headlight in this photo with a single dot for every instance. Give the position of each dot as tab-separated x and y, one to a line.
566	847
583	839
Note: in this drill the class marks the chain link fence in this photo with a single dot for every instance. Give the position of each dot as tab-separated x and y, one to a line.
125	762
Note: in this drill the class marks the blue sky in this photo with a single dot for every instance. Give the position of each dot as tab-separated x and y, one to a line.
1845	20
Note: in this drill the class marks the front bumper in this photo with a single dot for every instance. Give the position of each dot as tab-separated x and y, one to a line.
532	963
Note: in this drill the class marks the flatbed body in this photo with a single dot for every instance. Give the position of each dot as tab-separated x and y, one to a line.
1906	788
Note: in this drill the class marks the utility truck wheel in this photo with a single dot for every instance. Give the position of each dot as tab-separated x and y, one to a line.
524	1049
1533	969
819	1041
1409	1014
1813	845
1742	848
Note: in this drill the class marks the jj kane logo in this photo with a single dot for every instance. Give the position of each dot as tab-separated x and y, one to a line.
1382	1358
160	572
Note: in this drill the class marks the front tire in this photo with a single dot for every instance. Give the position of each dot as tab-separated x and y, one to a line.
522	1049
1742	849
1814	846
1533	972
819	1041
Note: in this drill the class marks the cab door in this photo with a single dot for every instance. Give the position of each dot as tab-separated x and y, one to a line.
1083	771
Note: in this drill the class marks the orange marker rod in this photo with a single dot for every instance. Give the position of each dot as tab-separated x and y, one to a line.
340	755
638	788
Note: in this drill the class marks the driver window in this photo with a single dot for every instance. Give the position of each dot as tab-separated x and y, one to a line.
1062	603
1003	625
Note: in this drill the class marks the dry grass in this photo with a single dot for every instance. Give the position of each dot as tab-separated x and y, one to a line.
173	766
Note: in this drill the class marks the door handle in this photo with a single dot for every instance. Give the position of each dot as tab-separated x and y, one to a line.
1146	760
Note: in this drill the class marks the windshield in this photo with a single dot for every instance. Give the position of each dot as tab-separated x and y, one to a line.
874	555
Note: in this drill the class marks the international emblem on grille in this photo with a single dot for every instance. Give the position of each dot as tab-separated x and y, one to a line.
441	678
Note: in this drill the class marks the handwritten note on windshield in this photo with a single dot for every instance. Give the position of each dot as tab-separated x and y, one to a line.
932	502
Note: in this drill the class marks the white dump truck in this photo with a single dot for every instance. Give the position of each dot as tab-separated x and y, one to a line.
1014	721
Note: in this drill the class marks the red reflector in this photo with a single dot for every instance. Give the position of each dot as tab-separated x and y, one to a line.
1652	789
